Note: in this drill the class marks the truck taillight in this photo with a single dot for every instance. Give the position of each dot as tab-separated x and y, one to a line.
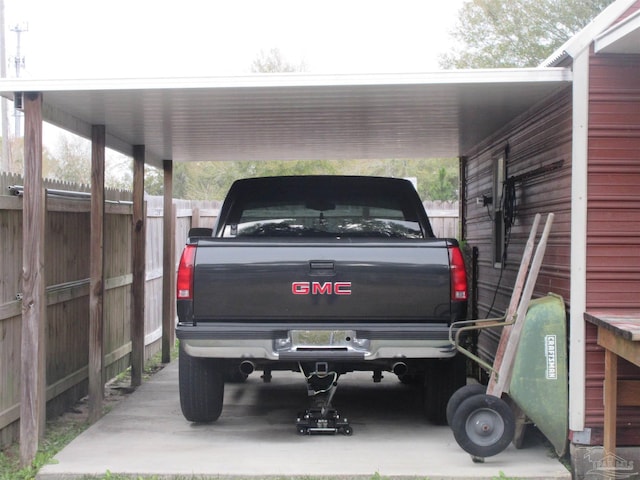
184	282
458	275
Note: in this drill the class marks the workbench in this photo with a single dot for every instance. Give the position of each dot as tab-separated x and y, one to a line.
619	335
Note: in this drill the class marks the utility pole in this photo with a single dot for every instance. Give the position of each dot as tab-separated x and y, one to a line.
5	164
18	61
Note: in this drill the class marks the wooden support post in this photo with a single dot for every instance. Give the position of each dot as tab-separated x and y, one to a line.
96	271
138	260
610	402
32	357
168	265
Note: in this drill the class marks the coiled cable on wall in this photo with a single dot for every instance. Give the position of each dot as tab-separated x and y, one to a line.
508	209
509	205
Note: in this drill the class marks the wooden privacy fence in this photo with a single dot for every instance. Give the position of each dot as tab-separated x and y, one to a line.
67	291
444	218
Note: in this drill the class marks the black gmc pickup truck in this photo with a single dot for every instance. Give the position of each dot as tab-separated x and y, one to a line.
323	275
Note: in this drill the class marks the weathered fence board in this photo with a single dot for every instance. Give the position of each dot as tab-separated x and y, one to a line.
67	234
444	218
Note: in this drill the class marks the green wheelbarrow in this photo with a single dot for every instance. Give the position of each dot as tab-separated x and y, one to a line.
529	375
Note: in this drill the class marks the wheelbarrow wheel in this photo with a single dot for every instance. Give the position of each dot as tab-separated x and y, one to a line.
460	396
483	425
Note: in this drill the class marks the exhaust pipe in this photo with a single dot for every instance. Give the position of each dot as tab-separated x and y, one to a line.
246	367
400	368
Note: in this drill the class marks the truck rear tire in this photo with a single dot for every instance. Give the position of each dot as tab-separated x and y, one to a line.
443	377
201	382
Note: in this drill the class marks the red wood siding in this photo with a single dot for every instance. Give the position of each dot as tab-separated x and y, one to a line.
613	231
634	8
538	138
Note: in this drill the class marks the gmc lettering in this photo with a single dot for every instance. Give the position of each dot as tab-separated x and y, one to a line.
321	288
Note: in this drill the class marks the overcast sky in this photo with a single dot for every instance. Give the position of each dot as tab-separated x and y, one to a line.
151	38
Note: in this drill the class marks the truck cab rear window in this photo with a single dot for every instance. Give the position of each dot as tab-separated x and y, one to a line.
321	219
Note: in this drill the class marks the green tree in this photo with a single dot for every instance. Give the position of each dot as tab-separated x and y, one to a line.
118	171
274	62
203	180
153	180
16	157
70	161
211	180
437	178
515	33
443	185
73	160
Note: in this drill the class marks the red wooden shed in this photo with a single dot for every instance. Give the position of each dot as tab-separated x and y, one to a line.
577	153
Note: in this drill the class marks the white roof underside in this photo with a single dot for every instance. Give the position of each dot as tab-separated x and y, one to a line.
294	116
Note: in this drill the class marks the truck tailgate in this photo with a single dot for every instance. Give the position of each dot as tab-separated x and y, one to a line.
316	281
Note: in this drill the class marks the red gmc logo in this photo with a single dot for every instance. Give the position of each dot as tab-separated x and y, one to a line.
321	288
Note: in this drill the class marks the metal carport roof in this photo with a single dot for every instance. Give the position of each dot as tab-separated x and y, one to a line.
260	117
295	116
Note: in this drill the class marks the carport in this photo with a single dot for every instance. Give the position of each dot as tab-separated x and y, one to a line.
260	117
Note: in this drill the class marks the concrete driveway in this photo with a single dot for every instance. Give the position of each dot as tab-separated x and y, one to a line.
255	437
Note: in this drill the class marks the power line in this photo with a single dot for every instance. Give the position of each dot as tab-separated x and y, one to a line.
5	164
19	62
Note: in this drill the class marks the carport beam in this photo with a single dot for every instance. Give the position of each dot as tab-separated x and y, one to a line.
168	264
32	357
138	261
96	290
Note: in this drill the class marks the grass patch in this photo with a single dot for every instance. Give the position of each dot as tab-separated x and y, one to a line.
58	434
151	366
502	476
114	476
